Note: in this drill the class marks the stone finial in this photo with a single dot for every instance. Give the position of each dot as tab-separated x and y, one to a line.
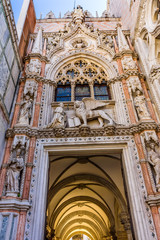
122	42
78	15
37	48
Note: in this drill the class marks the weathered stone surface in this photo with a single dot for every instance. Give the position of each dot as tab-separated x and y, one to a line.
15	71
9	53
8	98
4	74
4	32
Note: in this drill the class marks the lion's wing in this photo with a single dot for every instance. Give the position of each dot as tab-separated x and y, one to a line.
92	104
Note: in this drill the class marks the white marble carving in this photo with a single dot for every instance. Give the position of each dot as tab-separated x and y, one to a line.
134	84
26	110
15	167
140	105
153	157
128	64
58	118
34	67
79	43
88	109
78	15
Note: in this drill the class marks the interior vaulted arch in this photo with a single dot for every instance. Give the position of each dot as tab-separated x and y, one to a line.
82	222
54	189
92	216
88	199
82	198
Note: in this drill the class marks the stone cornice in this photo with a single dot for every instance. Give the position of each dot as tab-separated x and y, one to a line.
14	204
93	19
108	32
153	200
125	53
36	55
37	78
126	75
114	130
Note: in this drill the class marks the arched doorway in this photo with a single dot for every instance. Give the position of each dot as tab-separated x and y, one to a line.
86	196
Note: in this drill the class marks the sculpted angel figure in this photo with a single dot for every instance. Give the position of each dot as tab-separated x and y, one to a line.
13	174
88	109
58	118
26	110
154	160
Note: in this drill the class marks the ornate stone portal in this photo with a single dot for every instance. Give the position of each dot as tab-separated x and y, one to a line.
82	127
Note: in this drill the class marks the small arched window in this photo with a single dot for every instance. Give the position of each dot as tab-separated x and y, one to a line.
63	92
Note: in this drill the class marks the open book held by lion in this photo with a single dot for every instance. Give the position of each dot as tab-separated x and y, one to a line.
89	109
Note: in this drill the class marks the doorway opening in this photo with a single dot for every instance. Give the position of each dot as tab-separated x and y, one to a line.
86	196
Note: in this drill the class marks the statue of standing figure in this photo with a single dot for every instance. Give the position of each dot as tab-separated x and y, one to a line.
26	110
15	167
154	159
140	104
58	118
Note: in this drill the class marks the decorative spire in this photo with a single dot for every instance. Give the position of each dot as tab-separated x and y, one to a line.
122	42
78	15
37	48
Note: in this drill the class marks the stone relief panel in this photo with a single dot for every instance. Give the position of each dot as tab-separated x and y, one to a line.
128	63
53	43
88	112
16	166
34	67
79	43
107	40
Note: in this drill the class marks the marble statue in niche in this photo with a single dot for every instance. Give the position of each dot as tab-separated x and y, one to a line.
153	157
140	105
58	118
15	167
26	110
89	109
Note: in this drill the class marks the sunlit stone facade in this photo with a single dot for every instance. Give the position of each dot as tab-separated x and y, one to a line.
82	158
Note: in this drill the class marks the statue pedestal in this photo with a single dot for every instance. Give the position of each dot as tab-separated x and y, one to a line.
11	194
